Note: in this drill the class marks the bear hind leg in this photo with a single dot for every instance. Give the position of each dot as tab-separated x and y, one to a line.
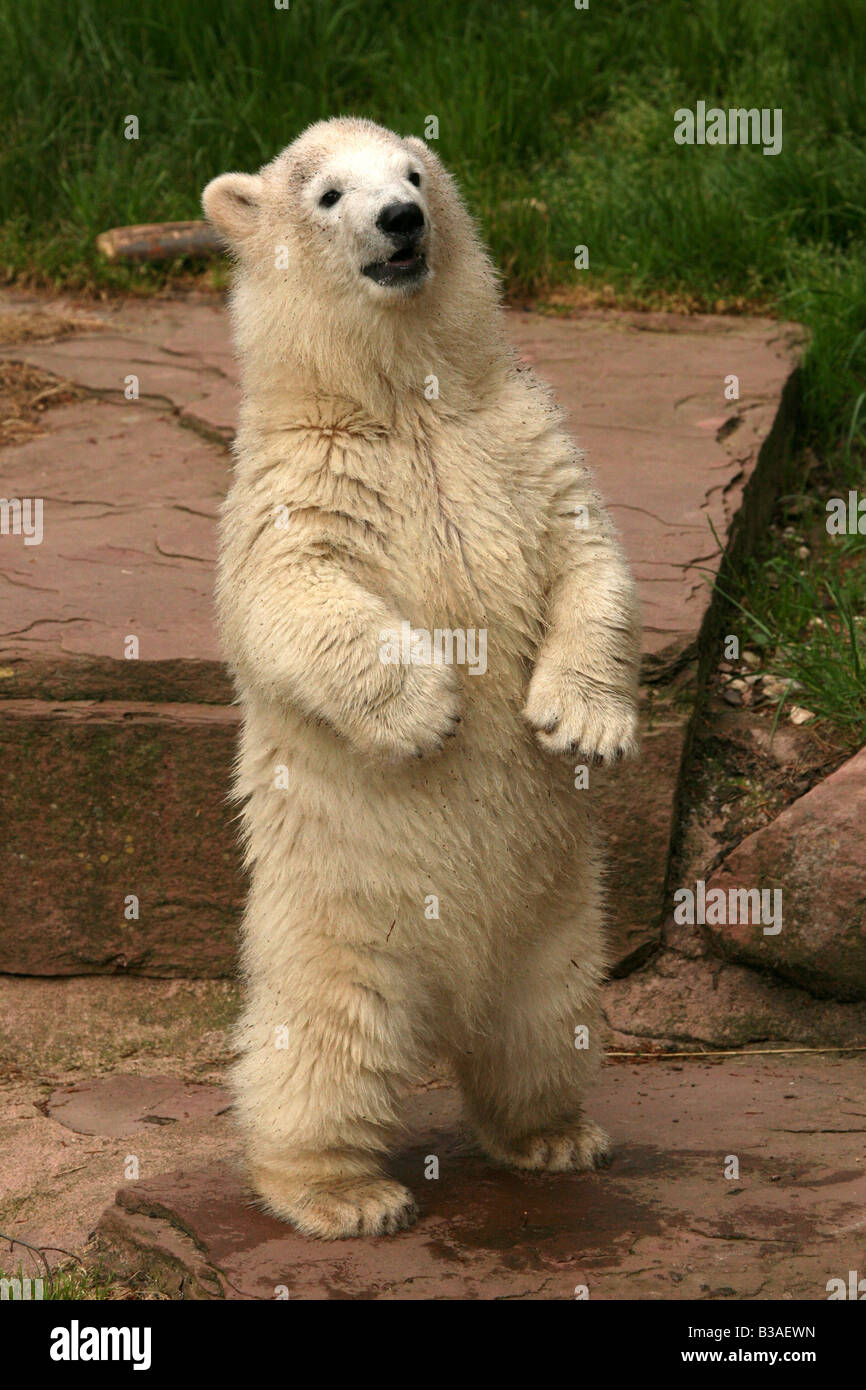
524	1078
317	1089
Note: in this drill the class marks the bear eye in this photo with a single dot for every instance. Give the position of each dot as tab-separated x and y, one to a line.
415	178
328	199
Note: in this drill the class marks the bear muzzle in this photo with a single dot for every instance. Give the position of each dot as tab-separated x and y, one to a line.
405	225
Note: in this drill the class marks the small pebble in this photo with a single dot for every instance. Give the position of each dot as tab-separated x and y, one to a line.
774	688
798	715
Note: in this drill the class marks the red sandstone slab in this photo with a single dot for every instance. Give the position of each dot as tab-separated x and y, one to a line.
129	509
130	495
131	491
118	1105
646	399
117	851
664	1222
809	862
195	384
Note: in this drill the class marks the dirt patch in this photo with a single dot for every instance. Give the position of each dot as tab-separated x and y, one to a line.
32	325
26	394
569	299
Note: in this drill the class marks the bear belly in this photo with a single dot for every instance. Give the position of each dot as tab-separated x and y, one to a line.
480	834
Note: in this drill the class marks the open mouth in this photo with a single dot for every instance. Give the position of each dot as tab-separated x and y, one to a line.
403	267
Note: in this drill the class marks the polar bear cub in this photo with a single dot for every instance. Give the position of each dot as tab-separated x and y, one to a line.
425	876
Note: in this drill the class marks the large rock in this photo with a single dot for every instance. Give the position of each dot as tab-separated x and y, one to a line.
680	466
130	502
814	853
699	1001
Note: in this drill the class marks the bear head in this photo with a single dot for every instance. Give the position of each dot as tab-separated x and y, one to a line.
353	247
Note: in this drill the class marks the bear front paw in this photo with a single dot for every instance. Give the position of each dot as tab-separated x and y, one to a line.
573	716
416	721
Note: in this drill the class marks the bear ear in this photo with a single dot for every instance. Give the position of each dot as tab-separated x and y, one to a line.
232	204
419	146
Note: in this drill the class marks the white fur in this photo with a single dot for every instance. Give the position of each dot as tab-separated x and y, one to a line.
456	512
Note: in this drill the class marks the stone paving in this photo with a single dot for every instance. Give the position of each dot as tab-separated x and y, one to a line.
132	486
113	1041
104	1071
723	1186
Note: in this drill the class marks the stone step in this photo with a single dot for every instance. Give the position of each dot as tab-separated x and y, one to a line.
116	765
117	843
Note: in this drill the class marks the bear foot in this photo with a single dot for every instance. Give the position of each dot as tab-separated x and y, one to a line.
568	1149
334	1209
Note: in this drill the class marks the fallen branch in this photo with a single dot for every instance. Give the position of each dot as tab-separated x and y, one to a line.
40	1251
159	241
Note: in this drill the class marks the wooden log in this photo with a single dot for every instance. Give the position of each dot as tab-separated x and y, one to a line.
159	241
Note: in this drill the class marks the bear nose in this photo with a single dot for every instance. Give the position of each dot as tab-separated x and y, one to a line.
401	220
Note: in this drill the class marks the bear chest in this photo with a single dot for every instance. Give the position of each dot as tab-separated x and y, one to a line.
468	538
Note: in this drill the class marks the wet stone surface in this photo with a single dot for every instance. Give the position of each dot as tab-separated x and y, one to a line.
664	1221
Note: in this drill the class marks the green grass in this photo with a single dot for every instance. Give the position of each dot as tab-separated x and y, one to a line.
805	614
558	122
75	1282
70	1284
559	125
